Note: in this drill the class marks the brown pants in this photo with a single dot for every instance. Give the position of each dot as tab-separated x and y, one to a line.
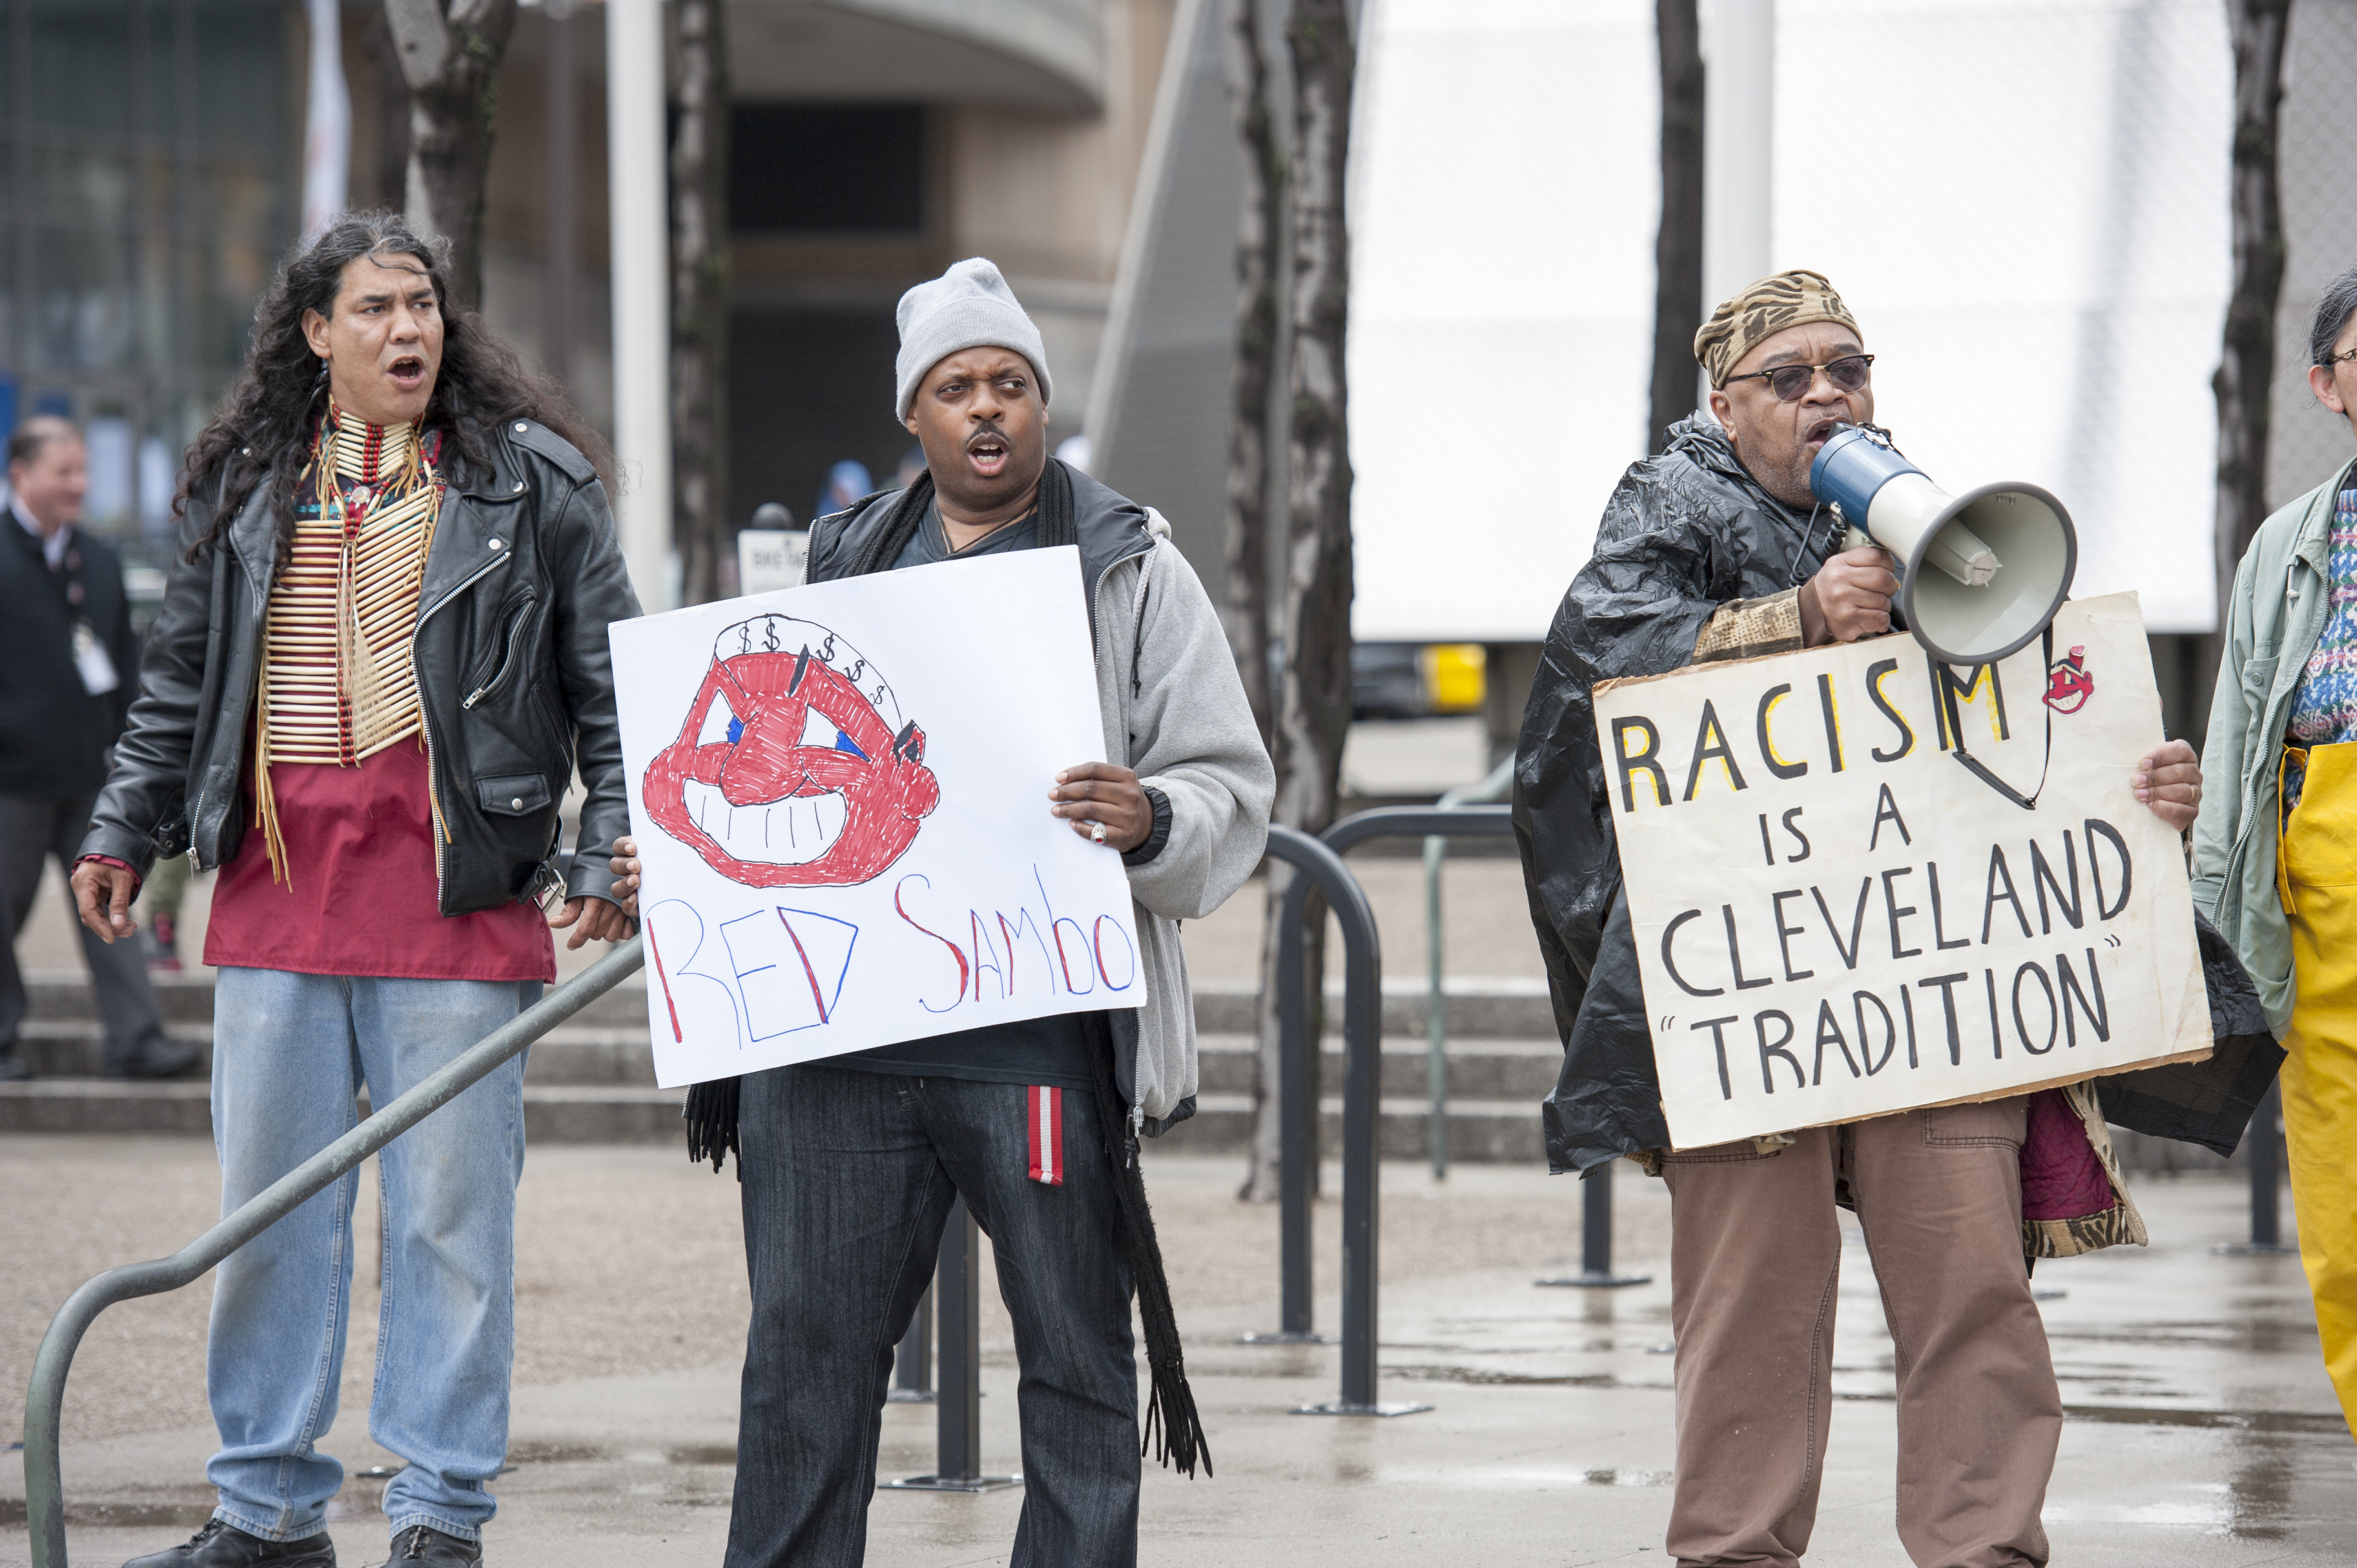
1755	1256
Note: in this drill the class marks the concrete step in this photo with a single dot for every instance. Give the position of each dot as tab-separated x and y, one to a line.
1502	1007
1477	1007
63	994
75	1047
106	1105
1480	1130
1523	1071
1478	1068
567	1056
558	1113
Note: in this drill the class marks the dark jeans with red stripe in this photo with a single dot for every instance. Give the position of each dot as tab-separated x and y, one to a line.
848	1178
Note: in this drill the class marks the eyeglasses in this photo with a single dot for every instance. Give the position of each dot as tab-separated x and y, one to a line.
1792	382
2336	359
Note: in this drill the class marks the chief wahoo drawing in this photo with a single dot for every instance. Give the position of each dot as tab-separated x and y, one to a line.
793	767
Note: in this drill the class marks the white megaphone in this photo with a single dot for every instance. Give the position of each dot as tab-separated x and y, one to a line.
1982	572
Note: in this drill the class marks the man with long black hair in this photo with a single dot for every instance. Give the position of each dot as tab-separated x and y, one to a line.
850	1165
381	654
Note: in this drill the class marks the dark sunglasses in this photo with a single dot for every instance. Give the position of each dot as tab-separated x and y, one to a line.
1792	382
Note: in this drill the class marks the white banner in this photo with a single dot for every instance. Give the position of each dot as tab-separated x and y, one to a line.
1836	916
840	796
2086	212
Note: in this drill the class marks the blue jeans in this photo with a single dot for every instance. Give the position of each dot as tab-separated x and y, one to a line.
290	1051
848	1178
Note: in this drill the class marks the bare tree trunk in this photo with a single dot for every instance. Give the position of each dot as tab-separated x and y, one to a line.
450	53
1256	329
1257	323
2247	369
699	300
388	174
1312	711
1677	251
1311	703
562	264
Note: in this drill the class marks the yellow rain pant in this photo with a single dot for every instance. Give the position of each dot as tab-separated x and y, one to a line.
2317	874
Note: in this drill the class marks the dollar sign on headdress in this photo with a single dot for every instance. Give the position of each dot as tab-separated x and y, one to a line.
826	653
769	633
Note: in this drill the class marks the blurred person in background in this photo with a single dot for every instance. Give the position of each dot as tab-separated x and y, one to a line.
912	463
381	652
2275	861
847	484
67	660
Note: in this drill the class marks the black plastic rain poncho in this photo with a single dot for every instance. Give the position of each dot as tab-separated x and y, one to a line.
1684	534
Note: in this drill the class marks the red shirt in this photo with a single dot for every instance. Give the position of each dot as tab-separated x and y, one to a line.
364	901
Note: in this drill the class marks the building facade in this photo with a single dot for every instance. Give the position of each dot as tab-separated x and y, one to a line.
152	157
153	160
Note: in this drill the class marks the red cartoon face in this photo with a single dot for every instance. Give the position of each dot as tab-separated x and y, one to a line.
2069	684
793	767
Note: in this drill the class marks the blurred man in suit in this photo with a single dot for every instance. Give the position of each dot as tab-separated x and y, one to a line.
67	661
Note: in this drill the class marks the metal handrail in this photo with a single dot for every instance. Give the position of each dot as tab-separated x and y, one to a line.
45	1401
1496	786
1362	1081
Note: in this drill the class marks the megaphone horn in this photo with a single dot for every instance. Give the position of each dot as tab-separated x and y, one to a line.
2000	558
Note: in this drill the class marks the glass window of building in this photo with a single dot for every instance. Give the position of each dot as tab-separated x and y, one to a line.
149	180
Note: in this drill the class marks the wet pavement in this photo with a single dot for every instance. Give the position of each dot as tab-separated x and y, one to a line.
2202	1427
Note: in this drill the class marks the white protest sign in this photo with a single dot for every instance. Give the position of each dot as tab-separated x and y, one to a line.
1836	917
840	796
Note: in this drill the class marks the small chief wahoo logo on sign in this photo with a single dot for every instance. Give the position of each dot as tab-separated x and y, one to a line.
2068	683
793	767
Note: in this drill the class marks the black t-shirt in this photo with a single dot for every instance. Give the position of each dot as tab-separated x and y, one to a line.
1053	1051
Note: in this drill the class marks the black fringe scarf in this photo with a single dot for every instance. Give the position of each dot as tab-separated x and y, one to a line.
1174	1432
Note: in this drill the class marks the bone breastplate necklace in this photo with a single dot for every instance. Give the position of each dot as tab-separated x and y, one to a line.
338	685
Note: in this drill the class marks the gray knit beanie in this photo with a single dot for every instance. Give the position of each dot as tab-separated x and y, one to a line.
968	307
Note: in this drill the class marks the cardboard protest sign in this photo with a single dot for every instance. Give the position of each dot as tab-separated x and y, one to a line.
840	796
1837	916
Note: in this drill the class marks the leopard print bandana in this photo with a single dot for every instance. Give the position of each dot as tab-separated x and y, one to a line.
1762	310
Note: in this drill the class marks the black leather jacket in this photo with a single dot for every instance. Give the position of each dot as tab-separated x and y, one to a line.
514	674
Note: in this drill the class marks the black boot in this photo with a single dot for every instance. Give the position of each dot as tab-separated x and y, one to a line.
158	1057
222	1545
424	1544
12	1070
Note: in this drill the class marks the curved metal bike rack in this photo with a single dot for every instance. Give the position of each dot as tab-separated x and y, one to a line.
1362	1094
1362	1007
45	1511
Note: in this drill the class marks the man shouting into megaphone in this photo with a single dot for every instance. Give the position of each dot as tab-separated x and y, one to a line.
1717	549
